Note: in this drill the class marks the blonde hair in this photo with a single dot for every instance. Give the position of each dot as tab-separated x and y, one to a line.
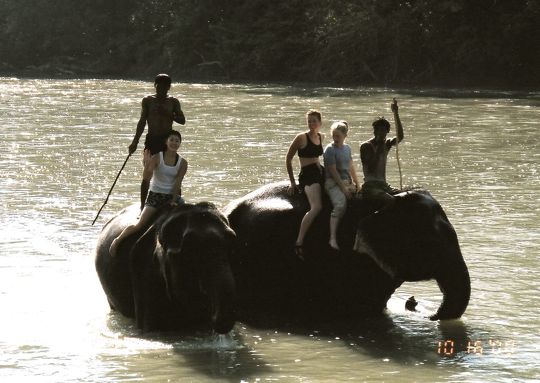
342	126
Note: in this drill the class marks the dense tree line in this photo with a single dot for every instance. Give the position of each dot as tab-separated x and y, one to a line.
382	42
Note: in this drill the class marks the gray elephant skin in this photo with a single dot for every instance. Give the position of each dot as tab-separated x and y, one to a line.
175	275
413	241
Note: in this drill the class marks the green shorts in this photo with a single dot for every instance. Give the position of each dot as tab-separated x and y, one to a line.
376	189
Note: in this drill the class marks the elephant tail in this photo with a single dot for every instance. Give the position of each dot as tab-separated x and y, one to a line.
454	282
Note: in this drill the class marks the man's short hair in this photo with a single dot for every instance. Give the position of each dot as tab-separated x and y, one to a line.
163	78
381	123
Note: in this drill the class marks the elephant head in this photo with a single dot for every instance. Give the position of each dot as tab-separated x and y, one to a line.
414	241
193	248
175	275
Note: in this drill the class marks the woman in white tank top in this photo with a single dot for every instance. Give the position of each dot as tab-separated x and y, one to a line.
166	170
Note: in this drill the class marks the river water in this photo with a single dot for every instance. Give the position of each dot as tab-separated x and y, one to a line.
63	141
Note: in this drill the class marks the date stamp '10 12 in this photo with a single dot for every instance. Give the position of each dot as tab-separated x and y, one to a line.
450	347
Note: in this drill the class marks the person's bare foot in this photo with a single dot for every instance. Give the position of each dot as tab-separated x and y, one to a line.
333	244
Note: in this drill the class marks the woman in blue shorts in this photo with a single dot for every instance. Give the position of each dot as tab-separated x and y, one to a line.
308	145
166	171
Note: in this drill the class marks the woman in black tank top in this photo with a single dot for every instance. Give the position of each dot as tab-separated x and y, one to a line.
311	150
309	147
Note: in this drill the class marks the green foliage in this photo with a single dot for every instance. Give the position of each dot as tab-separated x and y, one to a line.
382	42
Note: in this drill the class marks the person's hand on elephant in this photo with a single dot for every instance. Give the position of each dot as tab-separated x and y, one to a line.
346	191
292	189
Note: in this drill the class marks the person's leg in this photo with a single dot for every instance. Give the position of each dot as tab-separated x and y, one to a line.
383	201
147	175
387	201
145	217
145	185
313	194
334	222
339	203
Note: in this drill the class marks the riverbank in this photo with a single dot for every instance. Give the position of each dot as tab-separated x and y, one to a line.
460	88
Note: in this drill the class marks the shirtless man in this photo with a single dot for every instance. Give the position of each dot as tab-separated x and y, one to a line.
374	154
159	111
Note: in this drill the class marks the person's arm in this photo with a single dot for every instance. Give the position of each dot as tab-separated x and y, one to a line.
151	163
288	163
140	126
178	115
332	169
179	178
352	172
399	127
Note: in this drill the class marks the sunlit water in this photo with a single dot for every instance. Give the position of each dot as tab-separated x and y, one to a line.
63	142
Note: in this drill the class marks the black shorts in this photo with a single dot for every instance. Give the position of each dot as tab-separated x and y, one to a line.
155	142
311	174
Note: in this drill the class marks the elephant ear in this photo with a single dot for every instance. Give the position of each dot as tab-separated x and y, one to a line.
170	231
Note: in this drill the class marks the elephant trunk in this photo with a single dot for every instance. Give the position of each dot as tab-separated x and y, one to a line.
223	301
455	284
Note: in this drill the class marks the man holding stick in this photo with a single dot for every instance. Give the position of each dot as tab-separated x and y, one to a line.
159	111
374	154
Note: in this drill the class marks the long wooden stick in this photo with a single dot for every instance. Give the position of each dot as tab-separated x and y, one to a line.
397	151
112	187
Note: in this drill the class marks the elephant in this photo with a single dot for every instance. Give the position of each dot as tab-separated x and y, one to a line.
411	241
174	276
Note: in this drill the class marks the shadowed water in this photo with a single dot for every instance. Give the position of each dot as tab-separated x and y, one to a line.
63	142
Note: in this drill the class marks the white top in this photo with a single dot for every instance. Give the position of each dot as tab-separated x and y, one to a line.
164	176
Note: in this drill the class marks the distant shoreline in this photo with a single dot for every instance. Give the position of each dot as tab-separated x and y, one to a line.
466	90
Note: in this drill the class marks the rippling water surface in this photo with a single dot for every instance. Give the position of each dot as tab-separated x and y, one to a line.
63	142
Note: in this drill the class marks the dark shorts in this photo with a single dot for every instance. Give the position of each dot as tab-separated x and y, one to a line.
311	174
155	142
158	200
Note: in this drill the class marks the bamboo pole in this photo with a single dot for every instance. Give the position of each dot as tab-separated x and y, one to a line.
110	191
394	102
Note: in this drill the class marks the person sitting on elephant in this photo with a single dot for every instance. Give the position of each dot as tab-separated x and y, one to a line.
165	172
373	154
309	147
341	180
